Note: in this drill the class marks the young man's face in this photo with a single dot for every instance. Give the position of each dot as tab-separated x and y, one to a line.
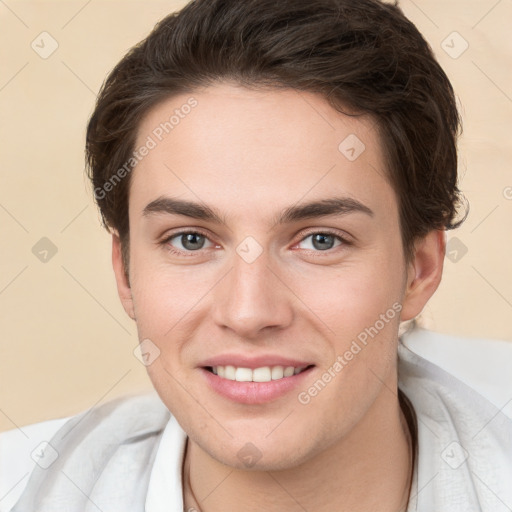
269	283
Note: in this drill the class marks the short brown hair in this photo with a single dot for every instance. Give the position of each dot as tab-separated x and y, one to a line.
364	55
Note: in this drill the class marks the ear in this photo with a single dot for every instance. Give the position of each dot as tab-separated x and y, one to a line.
424	273
123	285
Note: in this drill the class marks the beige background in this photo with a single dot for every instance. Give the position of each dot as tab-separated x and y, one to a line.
66	343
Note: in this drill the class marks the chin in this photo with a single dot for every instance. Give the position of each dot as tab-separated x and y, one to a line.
259	454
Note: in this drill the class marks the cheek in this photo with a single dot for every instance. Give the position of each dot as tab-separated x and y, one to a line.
357	307
353	296
163	296
360	306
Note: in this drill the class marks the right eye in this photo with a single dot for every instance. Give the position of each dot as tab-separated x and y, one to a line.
186	241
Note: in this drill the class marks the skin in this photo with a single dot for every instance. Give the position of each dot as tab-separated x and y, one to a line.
250	154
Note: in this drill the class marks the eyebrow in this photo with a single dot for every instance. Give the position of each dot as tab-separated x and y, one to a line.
294	213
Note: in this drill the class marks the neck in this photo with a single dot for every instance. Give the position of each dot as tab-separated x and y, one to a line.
369	469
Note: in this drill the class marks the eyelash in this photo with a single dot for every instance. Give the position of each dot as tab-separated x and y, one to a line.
166	240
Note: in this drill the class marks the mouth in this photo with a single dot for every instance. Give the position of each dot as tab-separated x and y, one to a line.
261	374
255	386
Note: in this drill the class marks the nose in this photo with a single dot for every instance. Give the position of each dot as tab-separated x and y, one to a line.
252	298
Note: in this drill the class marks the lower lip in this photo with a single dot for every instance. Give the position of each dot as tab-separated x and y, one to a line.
254	392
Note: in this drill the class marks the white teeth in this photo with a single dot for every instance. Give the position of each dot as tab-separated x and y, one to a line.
262	374
229	372
243	375
277	372
288	371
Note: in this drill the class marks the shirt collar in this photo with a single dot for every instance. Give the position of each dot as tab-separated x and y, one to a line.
165	490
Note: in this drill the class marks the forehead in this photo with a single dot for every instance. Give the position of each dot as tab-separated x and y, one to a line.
245	146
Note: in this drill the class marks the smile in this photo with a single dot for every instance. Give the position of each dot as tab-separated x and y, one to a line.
262	374
257	385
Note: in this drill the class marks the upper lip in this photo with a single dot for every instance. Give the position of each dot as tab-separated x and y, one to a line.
243	361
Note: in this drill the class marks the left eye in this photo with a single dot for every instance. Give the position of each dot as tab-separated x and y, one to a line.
189	241
322	241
